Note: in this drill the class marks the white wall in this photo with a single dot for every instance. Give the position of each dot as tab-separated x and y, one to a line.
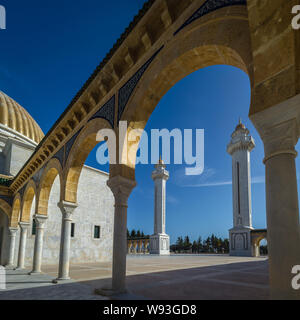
95	207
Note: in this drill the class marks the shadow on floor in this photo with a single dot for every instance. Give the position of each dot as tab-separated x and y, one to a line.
232	281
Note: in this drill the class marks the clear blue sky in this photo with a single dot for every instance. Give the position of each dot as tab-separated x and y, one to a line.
49	50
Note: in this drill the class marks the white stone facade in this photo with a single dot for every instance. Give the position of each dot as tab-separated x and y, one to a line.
95	208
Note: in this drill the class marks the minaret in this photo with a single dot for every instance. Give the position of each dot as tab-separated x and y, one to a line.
239	148
160	241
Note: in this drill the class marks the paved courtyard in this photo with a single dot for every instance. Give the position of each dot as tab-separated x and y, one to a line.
150	277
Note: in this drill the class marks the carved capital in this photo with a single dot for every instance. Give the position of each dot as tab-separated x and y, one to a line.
67	209
40	220
279	127
121	188
280	139
24	225
12	231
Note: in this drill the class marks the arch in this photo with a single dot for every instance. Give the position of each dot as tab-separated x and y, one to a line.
216	39
29	194
83	145
6	208
16	211
51	171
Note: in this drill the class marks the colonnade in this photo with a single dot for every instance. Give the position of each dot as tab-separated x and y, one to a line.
138	246
279	132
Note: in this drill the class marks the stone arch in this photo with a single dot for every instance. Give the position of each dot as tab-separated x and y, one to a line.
83	145
219	38
29	195
6	208
51	171
16	211
256	243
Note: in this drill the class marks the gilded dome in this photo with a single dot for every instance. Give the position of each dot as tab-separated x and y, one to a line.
240	125
15	117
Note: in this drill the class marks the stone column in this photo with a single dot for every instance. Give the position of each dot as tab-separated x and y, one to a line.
67	209
121	188
12	244
38	243
140	246
129	243
146	246
279	130
135	246
24	227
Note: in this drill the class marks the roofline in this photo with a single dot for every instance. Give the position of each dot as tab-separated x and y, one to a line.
147	5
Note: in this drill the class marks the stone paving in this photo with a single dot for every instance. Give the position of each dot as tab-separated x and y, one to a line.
178	277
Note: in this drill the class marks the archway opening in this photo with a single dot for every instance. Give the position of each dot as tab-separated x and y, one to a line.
4	223
200	207
86	175
263	247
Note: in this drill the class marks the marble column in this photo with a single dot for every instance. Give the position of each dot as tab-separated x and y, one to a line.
38	243
12	244
279	130
121	188
67	209
24	227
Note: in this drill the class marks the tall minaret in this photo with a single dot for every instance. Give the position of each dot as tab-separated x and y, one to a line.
160	241
239	148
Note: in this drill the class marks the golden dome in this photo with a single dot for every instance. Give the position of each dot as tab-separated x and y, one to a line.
14	116
240	125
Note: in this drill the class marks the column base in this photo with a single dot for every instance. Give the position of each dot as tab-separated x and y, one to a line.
34	273
57	280
19	268
240	242
160	244
108	292
9	267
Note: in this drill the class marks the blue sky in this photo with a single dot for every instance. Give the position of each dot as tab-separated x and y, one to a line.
49	50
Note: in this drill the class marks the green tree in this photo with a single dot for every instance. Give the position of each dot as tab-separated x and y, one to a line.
199	245
133	233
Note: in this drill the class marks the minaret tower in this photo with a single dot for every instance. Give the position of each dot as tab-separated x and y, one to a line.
160	241
239	148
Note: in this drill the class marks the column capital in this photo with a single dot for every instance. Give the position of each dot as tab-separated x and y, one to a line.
40	219
67	208
13	231
24	225
121	188
279	127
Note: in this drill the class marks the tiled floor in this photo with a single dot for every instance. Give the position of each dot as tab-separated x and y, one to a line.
152	277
